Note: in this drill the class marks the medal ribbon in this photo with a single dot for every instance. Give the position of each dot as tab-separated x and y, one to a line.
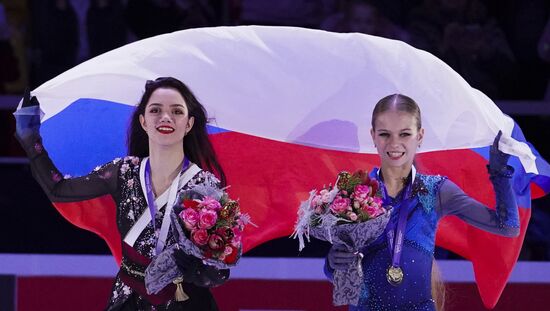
151	197
395	234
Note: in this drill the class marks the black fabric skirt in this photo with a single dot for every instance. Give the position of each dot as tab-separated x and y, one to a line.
200	299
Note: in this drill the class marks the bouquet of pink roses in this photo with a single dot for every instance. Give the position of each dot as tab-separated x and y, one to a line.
214	225
208	225
349	213
353	200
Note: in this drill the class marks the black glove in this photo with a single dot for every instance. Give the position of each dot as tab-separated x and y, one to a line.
339	258
195	272
27	123
498	160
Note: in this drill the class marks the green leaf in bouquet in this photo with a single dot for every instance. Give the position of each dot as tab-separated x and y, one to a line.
224	199
348	181
363	216
224	223
344	179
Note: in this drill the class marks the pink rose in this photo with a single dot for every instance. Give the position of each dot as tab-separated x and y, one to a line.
199	237
190	218
215	242
316	201
228	250
361	192
340	205
232	257
373	210
207	218
352	216
210	204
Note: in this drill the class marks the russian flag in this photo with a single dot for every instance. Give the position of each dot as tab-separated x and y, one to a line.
291	108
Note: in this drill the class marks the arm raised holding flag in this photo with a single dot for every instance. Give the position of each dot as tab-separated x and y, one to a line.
397	267
132	197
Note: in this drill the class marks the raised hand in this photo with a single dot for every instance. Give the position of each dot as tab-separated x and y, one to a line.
27	119
498	160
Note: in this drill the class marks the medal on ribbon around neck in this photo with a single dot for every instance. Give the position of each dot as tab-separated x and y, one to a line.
396	233
394	275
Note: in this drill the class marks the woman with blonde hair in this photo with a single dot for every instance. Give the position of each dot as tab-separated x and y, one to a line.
398	266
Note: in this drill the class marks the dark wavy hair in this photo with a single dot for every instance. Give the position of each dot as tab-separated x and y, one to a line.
196	145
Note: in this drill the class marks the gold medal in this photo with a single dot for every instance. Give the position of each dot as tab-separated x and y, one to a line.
394	275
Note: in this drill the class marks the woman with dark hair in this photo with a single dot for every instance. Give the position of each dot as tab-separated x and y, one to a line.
196	145
167	141
398	266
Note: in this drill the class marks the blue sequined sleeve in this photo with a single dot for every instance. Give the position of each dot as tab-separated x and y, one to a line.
502	221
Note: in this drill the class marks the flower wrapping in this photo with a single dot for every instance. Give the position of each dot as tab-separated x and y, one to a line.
349	213
206	224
